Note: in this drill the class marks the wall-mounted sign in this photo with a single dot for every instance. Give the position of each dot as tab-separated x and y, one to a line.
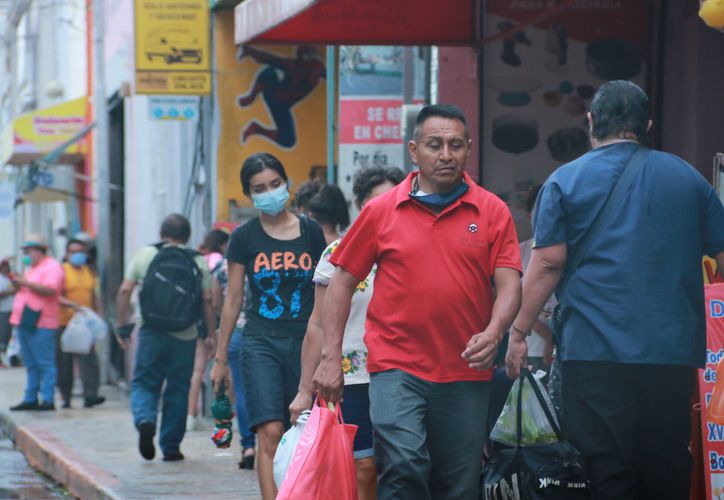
33	135
712	433
173	108
173	53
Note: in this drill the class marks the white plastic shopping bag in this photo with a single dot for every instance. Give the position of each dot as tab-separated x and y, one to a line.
13	345
96	324
286	447
78	337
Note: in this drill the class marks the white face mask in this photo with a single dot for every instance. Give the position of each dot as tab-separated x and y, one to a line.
272	202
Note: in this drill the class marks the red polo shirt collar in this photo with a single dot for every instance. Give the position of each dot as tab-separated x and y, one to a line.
403	195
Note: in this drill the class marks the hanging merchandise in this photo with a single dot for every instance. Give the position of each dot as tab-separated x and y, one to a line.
712	12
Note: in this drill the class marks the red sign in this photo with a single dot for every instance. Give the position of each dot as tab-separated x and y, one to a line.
712	433
370	121
355	22
254	17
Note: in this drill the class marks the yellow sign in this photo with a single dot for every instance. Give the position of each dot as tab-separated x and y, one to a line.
272	99
173	53
32	135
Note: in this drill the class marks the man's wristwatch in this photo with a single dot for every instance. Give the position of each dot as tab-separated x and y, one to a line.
222	361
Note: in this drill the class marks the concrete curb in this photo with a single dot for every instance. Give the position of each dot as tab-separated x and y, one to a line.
46	453
7	425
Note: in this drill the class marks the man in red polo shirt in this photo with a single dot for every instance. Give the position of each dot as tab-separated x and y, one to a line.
433	327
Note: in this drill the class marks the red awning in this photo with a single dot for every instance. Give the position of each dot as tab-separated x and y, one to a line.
357	22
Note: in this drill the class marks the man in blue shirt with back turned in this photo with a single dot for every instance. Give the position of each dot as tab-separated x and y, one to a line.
633	328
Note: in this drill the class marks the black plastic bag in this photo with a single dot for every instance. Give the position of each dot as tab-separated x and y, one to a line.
543	471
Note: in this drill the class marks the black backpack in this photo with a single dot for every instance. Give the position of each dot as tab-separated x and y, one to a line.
171	295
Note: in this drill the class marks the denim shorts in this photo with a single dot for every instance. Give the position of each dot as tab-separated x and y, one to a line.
356	411
271	367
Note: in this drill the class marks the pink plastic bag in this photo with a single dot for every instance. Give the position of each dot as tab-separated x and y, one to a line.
322	466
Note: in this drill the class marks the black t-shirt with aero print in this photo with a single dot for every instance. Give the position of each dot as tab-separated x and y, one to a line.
280	275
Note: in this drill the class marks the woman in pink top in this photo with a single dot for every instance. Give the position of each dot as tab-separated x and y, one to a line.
35	316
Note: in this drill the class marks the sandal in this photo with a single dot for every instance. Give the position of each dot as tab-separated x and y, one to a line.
247	458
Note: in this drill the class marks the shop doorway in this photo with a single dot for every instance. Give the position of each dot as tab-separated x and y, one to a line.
116	151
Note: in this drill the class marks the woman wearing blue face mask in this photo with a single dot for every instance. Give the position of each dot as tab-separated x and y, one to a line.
78	291
277	252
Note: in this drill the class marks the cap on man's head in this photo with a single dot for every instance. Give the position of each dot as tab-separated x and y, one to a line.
35	240
83	238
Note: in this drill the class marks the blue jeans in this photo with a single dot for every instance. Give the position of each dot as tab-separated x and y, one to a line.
161	357
428	437
248	439
37	346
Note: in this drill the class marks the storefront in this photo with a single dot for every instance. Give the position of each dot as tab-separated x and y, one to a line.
524	72
48	149
378	59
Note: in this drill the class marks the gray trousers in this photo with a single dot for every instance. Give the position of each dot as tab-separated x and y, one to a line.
89	370
428	437
6	330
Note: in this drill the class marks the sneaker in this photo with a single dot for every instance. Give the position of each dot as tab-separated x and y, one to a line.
15	361
93	401
146	432
32	405
46	406
66	405
173	456
191	423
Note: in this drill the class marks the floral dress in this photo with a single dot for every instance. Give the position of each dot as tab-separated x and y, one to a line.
354	351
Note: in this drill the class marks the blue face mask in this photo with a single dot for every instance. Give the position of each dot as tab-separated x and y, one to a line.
78	259
272	202
27	260
437	200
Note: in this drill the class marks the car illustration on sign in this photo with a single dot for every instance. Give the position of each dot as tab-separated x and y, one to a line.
173	46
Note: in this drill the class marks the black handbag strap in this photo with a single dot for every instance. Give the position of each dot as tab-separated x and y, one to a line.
525	374
613	203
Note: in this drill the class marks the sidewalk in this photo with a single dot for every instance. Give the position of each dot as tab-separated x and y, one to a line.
94	454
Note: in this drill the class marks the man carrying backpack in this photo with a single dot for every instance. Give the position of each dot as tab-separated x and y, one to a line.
175	291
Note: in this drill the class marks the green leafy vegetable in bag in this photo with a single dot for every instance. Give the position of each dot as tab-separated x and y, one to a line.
536	429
